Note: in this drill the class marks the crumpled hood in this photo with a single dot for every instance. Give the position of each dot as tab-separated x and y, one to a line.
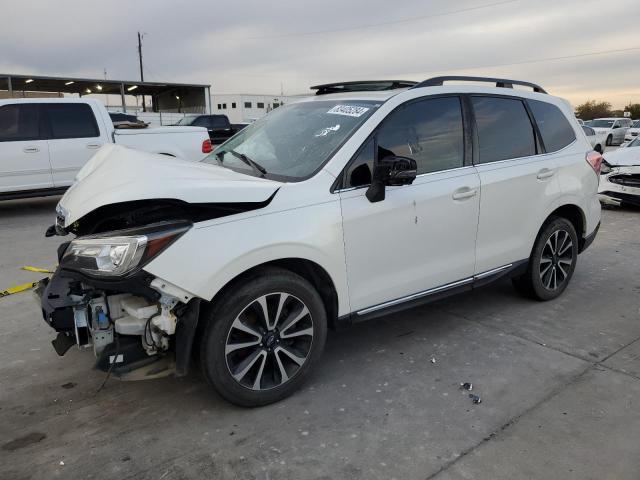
623	157
118	174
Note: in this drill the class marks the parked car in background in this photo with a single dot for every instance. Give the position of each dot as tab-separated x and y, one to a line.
218	126
633	132
597	140
45	142
620	179
614	129
335	209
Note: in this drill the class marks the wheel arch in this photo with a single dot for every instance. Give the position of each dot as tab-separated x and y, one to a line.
311	271
574	214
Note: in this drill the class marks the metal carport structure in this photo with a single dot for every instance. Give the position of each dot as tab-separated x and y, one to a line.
165	97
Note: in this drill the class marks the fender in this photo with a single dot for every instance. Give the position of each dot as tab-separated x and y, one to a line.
228	249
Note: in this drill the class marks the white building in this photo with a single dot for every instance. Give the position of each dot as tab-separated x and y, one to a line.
245	108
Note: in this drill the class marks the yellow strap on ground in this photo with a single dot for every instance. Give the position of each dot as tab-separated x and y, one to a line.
36	269
17	289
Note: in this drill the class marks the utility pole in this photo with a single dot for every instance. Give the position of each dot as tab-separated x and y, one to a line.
144	107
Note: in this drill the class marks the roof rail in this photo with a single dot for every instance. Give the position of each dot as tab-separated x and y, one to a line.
362	86
500	82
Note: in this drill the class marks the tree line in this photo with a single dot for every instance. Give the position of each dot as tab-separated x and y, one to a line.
592	109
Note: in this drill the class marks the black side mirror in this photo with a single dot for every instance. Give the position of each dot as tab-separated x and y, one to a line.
598	148
391	171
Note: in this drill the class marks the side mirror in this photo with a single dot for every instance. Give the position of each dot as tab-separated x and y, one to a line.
598	148
391	171
616	126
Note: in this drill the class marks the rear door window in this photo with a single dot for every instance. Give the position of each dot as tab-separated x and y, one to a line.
504	129
219	122
19	122
71	120
554	127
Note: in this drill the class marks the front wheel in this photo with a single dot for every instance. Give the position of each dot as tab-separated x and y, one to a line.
609	141
263	338
552	262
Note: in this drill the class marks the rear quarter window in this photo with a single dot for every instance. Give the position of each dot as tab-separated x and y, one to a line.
554	127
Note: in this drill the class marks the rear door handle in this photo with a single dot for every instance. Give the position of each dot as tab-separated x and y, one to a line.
464	193
30	149
93	146
545	173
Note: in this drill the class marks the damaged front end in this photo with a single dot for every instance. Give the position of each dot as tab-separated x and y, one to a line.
138	326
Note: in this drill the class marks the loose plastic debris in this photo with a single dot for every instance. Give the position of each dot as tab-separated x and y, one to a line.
467	386
475	398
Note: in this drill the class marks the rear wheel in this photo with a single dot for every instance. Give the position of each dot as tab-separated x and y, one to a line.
263	338
552	261
609	141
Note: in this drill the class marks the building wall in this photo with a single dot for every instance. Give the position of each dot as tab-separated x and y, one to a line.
245	108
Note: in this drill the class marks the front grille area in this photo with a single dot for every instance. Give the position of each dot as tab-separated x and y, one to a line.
630	180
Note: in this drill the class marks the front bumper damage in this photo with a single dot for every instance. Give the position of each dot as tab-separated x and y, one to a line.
135	329
620	185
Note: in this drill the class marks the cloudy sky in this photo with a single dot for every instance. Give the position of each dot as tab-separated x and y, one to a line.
578	49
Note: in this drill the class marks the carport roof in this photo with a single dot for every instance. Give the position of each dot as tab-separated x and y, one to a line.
35	83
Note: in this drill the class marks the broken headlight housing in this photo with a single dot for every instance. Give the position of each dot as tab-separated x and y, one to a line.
118	253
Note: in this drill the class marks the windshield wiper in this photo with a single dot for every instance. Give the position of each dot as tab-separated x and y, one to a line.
253	164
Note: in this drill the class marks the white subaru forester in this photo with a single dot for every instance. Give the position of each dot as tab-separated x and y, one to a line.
364	199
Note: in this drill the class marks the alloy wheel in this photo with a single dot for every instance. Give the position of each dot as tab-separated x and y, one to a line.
269	341
556	260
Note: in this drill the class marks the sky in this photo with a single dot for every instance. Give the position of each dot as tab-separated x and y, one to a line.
577	49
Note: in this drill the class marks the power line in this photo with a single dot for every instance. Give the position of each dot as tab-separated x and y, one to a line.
456	69
524	62
383	24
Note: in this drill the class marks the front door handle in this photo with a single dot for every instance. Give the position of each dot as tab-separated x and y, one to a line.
464	193
30	149
545	173
93	146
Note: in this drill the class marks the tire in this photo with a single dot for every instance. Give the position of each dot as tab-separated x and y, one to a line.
279	349
609	141
552	262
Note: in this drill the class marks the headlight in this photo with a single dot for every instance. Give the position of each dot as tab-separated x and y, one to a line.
605	168
118	253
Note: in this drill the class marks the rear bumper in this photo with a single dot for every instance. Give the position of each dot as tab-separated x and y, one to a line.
588	240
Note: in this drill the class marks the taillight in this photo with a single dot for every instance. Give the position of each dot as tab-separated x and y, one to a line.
595	160
206	146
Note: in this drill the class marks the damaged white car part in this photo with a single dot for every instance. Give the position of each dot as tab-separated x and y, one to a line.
362	200
620	179
99	314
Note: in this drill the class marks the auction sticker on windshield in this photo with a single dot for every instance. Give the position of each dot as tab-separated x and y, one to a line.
349	110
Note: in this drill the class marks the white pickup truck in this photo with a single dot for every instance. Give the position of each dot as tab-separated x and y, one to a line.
45	142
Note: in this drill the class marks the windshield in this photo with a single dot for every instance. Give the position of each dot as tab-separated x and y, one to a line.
186	120
601	123
294	141
636	124
634	143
